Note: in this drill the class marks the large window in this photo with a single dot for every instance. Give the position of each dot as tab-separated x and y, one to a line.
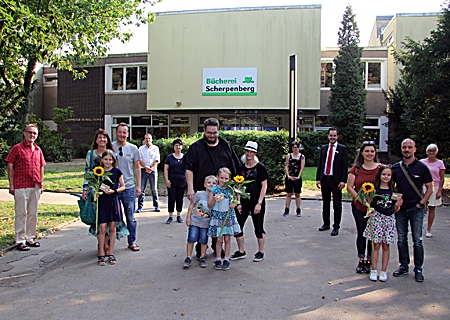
374	74
326	74
130	78
246	122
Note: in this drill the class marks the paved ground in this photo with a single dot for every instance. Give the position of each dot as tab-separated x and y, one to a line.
306	274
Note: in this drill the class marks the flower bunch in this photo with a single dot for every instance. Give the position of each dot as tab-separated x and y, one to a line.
237	186
366	194
95	180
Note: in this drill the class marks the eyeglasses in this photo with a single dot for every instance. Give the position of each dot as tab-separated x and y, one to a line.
368	142
32	132
120	152
212	133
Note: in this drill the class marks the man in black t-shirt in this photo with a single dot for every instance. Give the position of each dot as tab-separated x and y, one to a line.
205	157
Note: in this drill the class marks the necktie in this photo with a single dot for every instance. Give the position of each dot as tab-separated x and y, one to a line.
329	160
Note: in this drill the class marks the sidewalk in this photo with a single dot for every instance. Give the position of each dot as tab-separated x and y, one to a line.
306	274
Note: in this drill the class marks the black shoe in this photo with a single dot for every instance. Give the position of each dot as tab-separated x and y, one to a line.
169	221
401	271
286	212
360	267
418	276
367	266
238	255
335	232
324	227
179	219
299	212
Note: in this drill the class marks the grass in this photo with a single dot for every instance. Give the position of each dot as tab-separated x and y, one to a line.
49	217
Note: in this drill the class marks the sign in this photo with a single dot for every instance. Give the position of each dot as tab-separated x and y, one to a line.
229	82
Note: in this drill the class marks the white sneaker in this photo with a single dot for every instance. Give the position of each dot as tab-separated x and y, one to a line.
383	276
429	235
373	275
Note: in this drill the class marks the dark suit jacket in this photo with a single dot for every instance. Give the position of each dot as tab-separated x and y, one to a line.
340	163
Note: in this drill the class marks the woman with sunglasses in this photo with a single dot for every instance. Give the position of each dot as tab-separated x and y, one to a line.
364	170
437	169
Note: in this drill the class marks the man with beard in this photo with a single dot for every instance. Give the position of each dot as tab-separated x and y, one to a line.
412	209
205	157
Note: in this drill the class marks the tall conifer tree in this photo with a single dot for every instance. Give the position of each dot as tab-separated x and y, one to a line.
347	102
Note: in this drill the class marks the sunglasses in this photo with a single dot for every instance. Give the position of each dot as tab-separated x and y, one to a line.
368	142
120	152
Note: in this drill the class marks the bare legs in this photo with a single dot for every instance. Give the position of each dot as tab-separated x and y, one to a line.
227	240
431	215
190	247
289	198
384	255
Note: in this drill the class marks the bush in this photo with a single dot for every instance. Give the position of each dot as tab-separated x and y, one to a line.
82	149
272	146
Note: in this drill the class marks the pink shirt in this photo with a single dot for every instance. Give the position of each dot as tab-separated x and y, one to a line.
435	168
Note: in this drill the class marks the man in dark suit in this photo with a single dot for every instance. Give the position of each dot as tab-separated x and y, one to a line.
330	178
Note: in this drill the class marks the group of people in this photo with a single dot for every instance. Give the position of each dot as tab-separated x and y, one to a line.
403	191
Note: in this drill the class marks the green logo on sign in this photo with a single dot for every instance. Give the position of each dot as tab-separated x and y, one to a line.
248	80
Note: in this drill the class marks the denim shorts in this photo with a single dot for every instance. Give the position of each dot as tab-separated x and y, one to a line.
198	234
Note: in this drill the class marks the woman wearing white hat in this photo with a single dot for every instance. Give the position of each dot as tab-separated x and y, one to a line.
437	169
255	206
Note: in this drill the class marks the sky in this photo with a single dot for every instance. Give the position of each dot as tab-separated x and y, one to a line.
332	11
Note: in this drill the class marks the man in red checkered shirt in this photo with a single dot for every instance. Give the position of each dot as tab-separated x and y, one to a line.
26	183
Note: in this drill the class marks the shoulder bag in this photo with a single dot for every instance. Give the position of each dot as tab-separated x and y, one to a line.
425	205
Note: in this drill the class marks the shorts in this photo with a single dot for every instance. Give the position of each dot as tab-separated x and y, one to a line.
433	202
198	234
295	186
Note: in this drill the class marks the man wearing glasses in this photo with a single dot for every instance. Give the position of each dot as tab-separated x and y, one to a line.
128	157
26	183
205	157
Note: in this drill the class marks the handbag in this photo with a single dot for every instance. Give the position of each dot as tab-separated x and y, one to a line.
425	205
87	209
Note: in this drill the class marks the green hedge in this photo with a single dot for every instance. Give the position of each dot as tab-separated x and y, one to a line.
272	147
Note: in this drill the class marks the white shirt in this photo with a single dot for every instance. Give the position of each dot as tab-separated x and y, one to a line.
332	158
149	154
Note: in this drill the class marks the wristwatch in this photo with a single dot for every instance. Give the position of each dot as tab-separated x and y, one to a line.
421	204
259	202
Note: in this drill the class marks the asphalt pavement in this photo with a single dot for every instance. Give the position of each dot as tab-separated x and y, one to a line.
305	274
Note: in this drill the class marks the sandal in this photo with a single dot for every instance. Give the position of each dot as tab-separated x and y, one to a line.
112	259
133	247
101	261
22	247
33	244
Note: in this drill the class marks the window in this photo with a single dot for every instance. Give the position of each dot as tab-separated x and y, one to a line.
326	74
50	80
126	78
322	122
373	74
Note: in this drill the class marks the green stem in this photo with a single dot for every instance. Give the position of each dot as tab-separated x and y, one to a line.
224	222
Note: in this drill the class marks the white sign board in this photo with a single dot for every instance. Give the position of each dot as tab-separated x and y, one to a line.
229	82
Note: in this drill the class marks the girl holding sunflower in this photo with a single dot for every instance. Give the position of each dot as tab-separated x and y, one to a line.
109	209
363	171
381	230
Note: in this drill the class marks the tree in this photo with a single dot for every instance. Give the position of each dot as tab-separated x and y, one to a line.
423	92
66	34
347	102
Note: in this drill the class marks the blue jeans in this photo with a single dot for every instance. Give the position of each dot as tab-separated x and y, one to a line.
152	180
198	234
128	200
414	216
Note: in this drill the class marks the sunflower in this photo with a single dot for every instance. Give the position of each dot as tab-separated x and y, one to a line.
98	171
367	187
238	179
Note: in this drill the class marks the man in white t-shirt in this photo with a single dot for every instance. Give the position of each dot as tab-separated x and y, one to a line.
149	162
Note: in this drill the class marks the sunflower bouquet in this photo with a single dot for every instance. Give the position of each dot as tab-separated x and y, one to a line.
95	179
366	195
237	186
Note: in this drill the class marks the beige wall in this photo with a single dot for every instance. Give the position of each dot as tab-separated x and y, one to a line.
181	45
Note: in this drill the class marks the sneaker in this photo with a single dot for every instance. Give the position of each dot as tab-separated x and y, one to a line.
169	221
225	265
286	212
367	266
218	265
383	276
418	276
238	255
373	275
258	256
400	271
429	235
203	263
157	209
360	266
179	219
299	212
138	210
187	262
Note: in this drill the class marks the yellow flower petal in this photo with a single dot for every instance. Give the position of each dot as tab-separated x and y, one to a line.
367	187
239	179
98	171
